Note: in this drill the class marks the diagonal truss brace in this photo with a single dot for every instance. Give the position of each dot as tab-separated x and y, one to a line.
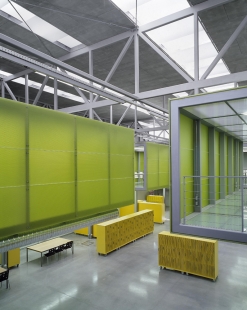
225	48
118	61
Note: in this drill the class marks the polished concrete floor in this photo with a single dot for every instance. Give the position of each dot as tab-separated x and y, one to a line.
127	279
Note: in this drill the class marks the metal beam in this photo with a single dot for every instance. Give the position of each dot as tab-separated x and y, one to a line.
97	116
9	91
40	90
196	51
122	117
34	65
26	89
182	14
81	94
157	121
51	71
118	61
86	106
111	114
136	63
91	73
55	95
17	75
225	47
25	61
78	90
95	46
165	57
162	128
135	118
225	79
2	89
60	64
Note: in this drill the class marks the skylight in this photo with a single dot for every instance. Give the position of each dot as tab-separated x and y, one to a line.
149	10
37	24
176	39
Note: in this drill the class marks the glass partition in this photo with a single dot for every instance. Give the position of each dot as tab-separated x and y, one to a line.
209	192
228	212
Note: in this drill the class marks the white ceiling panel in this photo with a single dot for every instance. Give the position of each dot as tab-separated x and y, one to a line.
217	109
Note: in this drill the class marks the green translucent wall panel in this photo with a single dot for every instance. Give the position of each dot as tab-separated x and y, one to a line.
57	167
164	166
186	163
51	130
152	166
13	167
157	166
217	164
226	163
92	166
121	166
204	153
141	161
51	167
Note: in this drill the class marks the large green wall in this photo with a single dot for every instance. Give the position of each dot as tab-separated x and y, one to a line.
217	164
57	167
186	164
204	153
226	163
157	166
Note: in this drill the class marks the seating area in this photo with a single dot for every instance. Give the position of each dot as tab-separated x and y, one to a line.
51	247
4	276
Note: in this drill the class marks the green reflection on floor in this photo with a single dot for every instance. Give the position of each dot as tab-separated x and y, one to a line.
226	214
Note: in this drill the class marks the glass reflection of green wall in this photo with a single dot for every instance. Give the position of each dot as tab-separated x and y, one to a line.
226	163
217	165
186	164
57	167
204	152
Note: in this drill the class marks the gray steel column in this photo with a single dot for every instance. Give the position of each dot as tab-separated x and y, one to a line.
165	101
135	118
241	155
136	206
111	114
236	164
136	51
197	166
26	89
211	158
76	166
222	166
229	165
91	94
242	180
4	260
27	169
3	89
90	232
55	95
196	51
